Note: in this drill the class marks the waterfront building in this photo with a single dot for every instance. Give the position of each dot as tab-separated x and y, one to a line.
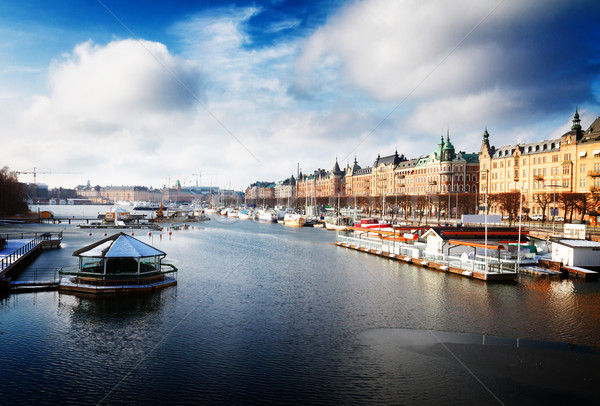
321	184
545	171
443	171
357	181
118	264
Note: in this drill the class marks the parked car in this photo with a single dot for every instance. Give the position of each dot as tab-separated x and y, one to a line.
538	217
559	218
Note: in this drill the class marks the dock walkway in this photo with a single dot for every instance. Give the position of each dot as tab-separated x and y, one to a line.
497	269
19	249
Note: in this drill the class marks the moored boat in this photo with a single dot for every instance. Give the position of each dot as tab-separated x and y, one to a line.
373	223
267	216
293	220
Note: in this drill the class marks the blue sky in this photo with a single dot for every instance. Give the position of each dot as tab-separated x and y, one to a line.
147	92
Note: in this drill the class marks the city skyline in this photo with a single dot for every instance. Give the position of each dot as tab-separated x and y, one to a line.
143	92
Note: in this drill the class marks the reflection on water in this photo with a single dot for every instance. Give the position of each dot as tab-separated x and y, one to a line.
269	314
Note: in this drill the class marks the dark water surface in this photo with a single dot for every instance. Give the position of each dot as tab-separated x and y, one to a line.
266	314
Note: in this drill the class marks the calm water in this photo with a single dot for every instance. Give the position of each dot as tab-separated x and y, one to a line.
266	314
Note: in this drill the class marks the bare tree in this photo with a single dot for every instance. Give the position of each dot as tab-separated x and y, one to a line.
542	200
569	200
510	203
12	194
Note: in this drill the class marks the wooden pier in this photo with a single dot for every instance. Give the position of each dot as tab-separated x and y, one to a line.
19	249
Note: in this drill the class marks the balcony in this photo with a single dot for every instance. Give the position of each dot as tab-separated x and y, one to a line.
594	174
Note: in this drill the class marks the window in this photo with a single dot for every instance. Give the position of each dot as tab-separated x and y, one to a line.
545	159
555	158
524	173
544	171
566	170
567	157
582	168
566	183
582	182
524	184
495	165
524	161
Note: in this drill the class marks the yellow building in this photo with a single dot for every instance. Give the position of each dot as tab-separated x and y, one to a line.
542	170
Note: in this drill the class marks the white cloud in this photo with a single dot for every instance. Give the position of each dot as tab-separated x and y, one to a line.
117	84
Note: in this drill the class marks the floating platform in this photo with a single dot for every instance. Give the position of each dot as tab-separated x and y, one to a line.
77	285
427	263
539	271
149	226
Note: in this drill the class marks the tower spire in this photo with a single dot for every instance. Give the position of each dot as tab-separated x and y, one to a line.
576	121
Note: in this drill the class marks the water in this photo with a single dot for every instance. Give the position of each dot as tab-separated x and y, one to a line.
266	314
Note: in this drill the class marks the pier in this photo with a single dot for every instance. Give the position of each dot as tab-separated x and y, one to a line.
17	250
498	268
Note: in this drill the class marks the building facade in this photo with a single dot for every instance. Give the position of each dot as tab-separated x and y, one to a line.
542	170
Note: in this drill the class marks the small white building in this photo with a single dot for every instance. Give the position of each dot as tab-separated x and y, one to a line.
576	252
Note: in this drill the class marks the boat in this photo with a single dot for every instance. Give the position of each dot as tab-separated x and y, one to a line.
336	223
373	223
142	206
267	216
233	213
293	220
246	215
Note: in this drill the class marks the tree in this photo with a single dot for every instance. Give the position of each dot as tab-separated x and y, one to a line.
542	200
569	200
12	194
510	204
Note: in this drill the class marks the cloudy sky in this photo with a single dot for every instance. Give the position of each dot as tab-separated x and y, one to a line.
147	92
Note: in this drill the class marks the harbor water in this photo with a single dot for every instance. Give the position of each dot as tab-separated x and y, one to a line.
267	314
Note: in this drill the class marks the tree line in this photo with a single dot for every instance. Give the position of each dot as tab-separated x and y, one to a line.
12	194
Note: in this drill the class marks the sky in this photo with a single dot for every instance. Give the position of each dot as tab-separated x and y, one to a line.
226	93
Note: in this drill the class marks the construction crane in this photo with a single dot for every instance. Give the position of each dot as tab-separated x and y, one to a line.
199	177
35	172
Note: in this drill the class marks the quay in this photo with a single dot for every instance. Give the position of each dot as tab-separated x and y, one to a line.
497	267
17	250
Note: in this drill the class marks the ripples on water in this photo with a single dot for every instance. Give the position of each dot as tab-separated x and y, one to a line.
265	314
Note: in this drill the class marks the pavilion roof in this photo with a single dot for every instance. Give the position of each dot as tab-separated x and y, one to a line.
119	245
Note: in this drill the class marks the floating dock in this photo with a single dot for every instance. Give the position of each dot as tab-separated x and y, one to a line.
473	269
18	250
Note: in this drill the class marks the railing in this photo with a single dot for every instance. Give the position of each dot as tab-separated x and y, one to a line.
100	275
38	276
504	264
12	257
23	236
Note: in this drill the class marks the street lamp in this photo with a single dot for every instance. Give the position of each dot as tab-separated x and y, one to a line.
553	210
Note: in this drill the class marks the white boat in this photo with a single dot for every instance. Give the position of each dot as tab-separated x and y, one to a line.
233	213
267	216
246	215
293	220
336	223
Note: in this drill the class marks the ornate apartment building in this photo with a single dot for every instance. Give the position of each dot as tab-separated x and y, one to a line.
570	163
443	171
